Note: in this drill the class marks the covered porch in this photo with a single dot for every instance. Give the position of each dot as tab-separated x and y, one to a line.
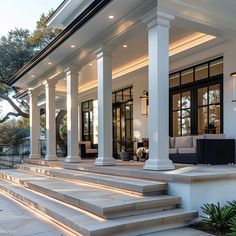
131	49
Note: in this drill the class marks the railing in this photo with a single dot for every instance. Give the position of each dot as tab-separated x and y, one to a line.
59	151
11	155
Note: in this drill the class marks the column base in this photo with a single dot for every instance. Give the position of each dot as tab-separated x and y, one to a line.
165	164
50	158
34	156
101	161
72	159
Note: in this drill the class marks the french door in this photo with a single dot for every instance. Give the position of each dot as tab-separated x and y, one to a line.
197	109
122	125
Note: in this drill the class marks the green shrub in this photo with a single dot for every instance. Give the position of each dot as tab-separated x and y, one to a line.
232	225
217	217
233	205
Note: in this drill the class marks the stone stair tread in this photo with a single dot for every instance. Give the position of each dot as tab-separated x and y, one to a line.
103	202
90	225
135	185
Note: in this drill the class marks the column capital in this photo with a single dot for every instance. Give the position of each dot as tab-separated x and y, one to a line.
72	69
158	16
49	83
32	92
103	50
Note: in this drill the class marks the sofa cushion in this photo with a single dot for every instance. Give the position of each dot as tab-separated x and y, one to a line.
184	142
173	150
195	137
91	150
172	142
87	144
187	150
214	136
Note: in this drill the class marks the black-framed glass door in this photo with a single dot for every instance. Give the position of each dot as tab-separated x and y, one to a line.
122	125
196	99
197	109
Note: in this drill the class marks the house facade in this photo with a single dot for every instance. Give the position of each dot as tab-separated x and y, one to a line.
179	54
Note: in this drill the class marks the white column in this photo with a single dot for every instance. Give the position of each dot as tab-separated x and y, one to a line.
50	120
34	126
158	87
72	116
104	75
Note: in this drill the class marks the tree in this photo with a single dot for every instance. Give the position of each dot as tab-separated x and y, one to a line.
16	49
14	131
43	34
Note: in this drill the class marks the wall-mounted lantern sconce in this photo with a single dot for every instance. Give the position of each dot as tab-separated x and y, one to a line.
144	103
233	76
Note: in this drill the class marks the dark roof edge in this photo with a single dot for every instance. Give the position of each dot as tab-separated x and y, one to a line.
55	11
84	17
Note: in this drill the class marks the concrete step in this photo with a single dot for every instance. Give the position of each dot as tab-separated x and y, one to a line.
88	224
103	202
135	186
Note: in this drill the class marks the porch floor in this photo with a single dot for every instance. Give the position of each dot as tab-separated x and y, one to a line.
133	169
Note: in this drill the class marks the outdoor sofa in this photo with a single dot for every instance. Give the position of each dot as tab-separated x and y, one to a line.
212	149
88	150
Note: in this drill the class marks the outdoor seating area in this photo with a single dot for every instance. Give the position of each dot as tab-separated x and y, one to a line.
212	149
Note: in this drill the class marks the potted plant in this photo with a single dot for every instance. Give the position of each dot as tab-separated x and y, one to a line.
125	145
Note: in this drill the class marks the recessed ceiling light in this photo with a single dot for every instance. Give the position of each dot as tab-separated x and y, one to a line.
90	64
125	46
72	46
49	63
111	17
32	76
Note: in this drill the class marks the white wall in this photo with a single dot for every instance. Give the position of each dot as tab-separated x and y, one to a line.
228	51
196	194
229	91
139	81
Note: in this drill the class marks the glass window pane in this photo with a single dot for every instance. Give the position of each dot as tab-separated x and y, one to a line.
216	67
85	124
127	112
214	119
176	124
202	120
119	96
201	72
186	122
187	76
202	96
85	105
113	97
126	95
214	94
186	100
91	104
131	92
176	101
174	80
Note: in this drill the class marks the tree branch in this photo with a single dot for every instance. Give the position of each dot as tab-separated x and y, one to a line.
20	112
7	116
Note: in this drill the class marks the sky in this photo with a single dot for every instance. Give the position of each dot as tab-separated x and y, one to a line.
23	13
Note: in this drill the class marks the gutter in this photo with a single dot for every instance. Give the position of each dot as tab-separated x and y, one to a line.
83	18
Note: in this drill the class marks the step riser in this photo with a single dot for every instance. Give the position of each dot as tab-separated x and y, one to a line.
108	213
146	226
146	191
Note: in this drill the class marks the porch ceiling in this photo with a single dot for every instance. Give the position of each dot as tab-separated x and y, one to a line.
125	29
